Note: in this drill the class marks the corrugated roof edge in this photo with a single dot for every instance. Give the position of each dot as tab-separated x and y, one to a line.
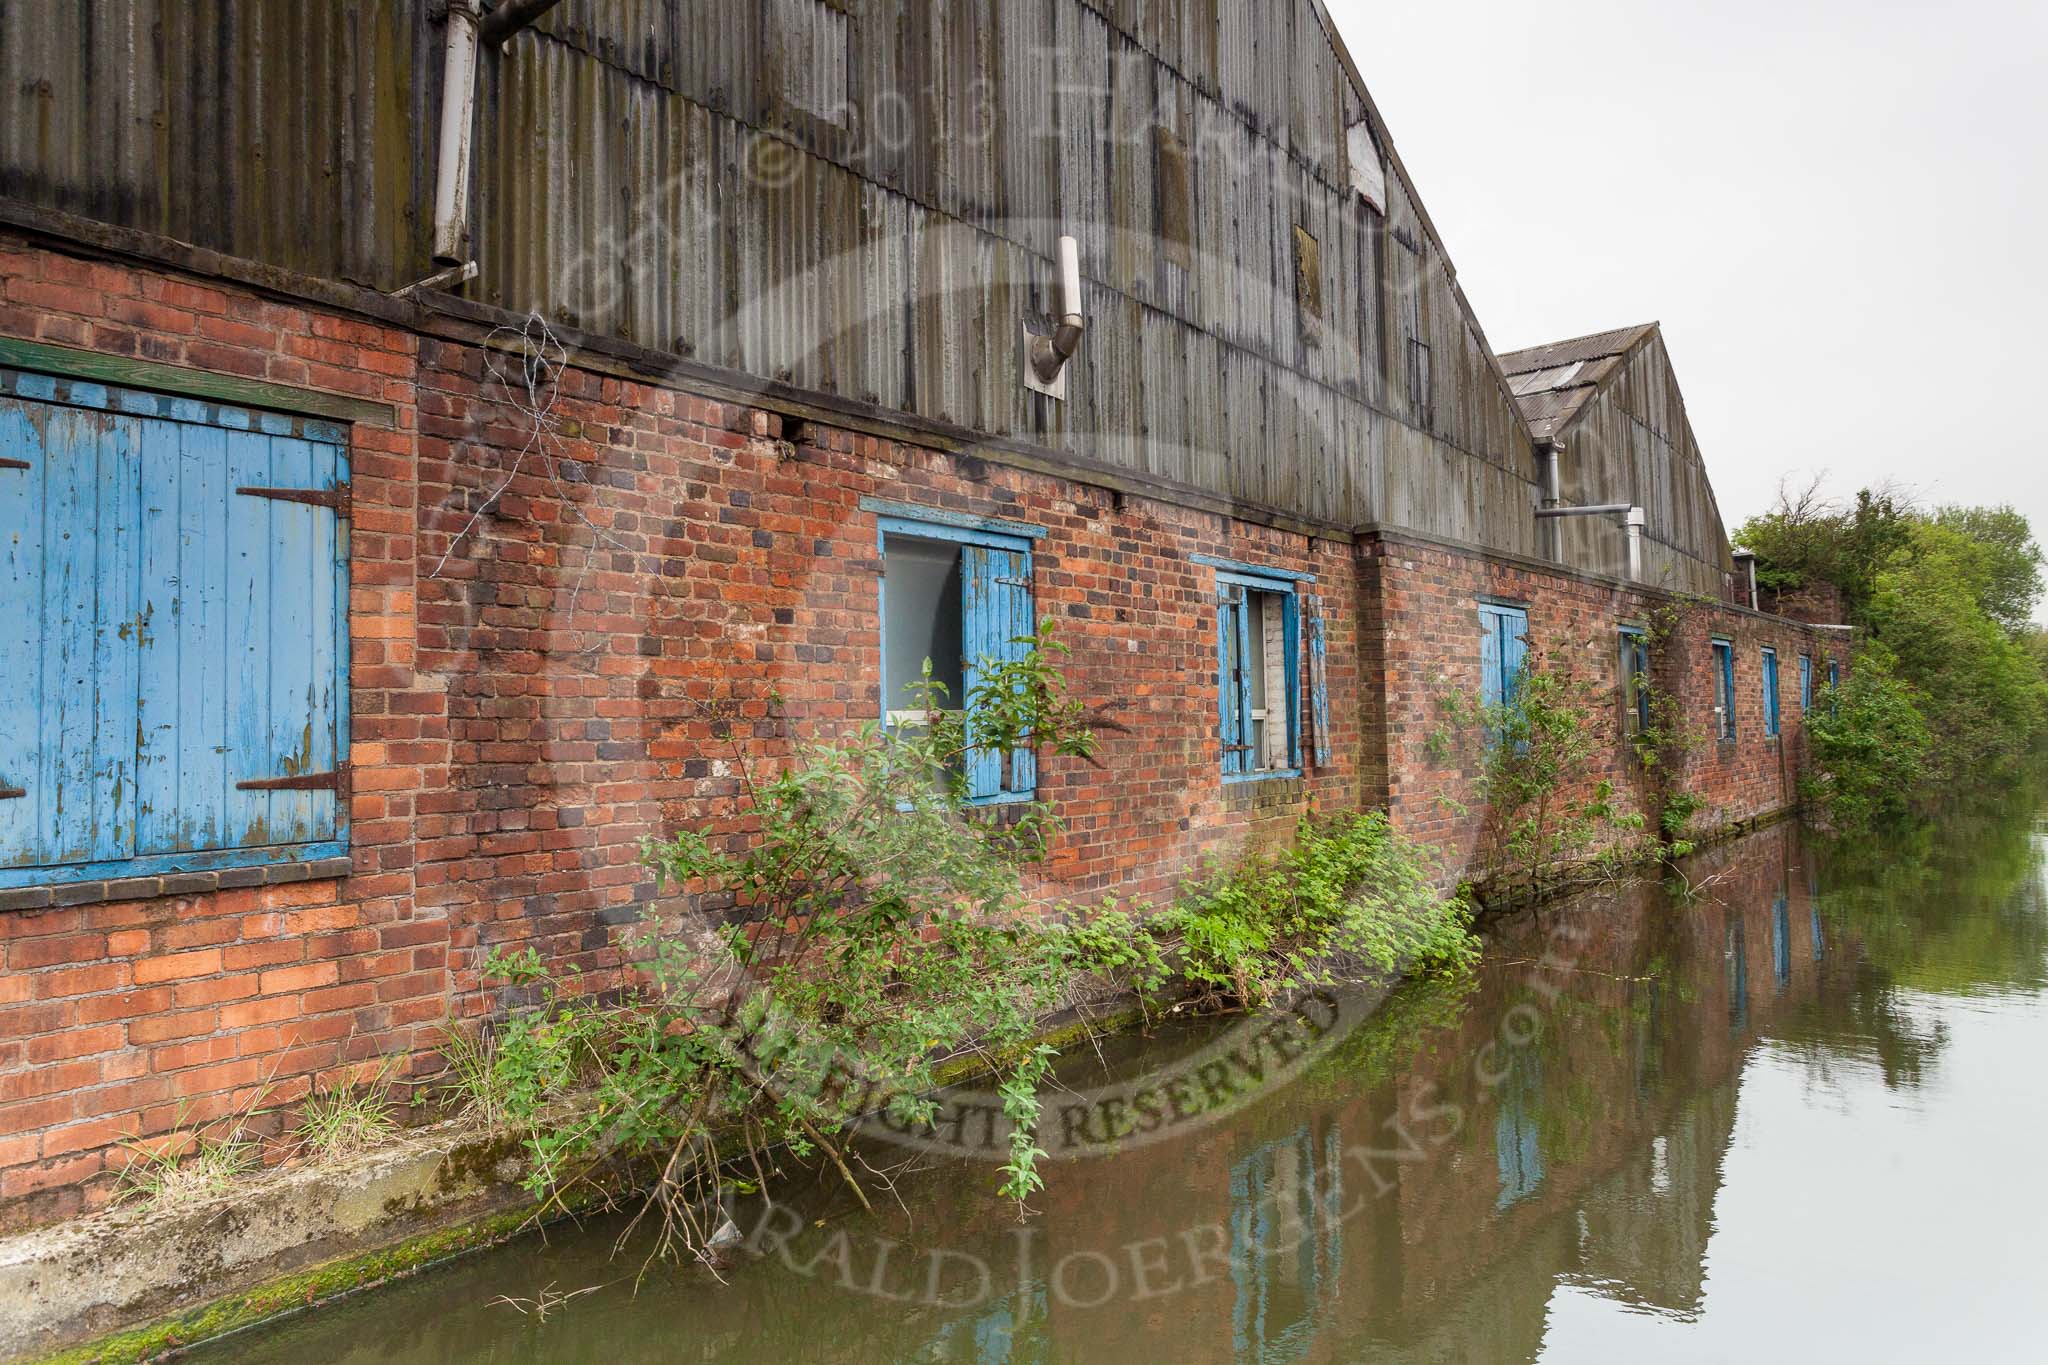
1344	59
1644	334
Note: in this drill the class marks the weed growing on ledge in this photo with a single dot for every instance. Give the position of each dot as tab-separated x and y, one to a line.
1545	821
874	931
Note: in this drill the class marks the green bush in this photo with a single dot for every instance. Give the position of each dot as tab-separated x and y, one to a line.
1870	747
1349	894
871	928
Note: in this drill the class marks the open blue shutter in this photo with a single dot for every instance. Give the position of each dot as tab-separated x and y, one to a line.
1491	652
1319	679
995	586
1290	606
1514	652
1226	679
179	637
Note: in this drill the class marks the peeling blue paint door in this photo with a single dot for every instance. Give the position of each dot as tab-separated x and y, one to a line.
177	638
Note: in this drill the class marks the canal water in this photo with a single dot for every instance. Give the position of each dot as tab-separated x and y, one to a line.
1793	1108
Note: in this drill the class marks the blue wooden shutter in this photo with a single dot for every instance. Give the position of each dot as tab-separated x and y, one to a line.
1770	692
1805	683
1514	652
995	586
1290	607
1319	679
177	638
1231	692
1492	651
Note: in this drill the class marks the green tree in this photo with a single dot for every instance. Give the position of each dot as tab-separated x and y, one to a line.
2010	586
1982	694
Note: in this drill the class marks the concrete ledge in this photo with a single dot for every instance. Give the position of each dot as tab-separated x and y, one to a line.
271	1245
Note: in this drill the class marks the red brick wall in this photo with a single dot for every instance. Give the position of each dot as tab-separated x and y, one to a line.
526	712
1424	627
549	642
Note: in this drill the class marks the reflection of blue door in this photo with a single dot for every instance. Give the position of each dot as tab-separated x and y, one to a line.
1738	978
1517	1147
1286	1243
1781	942
1819	943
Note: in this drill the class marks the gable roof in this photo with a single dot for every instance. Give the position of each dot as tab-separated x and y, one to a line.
1399	169
1554	382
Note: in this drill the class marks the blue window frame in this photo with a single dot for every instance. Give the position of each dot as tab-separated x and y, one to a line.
174	653
1724	686
1805	683
1770	691
956	590
1635	680
1503	652
1258	675
1834	673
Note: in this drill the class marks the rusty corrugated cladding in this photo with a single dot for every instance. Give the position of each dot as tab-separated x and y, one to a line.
1613	399
276	130
859	197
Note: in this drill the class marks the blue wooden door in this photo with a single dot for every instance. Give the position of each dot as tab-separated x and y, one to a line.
174	687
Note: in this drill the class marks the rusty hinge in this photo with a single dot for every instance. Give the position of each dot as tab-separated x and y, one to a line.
15	464
11	793
334	499
329	781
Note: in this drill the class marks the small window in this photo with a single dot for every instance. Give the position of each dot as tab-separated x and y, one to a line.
1770	691
174	673
1805	683
1503	652
959	597
1421	385
1635	680
1724	688
1258	653
1834	673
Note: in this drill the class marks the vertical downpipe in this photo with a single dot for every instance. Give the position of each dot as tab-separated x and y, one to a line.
458	109
1635	544
1553	495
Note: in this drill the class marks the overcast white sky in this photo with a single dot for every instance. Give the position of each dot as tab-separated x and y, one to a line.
1837	208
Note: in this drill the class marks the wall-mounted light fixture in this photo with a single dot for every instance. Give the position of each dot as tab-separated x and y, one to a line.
1045	358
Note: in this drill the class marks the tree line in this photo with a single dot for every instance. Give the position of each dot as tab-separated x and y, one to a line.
1950	685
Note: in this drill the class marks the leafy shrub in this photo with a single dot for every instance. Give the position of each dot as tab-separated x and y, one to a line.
1348	893
1870	747
872	926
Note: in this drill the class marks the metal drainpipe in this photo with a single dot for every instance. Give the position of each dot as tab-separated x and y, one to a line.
1553	491
458	110
1636	521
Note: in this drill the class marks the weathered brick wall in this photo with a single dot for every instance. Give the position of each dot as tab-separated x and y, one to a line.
125	1020
1427	638
546	649
561	647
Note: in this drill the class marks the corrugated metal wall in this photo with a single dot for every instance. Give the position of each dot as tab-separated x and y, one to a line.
859	197
1633	442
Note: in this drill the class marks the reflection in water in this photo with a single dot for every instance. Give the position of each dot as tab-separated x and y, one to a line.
1607	1148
